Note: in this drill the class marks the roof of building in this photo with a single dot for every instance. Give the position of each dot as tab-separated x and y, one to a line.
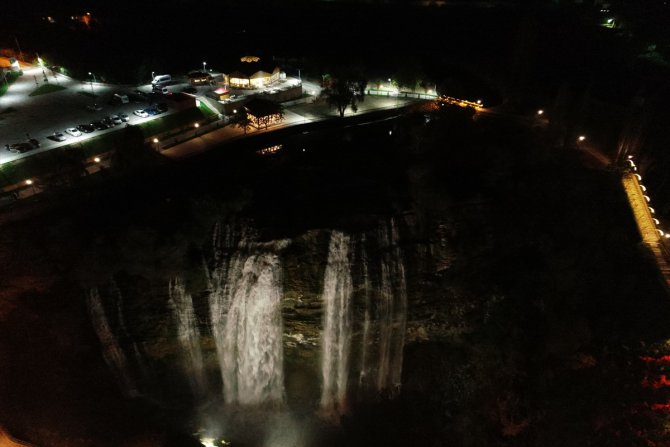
262	107
248	66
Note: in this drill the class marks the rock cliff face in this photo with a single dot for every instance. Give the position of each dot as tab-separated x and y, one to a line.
318	321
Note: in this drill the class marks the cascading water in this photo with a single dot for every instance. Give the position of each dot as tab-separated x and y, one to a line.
392	312
111	351
384	323
336	336
181	304
252	365
365	367
246	289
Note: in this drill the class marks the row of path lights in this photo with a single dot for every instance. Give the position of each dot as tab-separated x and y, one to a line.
646	197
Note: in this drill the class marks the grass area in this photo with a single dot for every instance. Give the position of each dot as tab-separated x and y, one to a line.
31	167
206	109
11	77
46	88
176	121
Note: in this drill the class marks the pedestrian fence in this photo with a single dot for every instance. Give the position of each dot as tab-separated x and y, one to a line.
394	94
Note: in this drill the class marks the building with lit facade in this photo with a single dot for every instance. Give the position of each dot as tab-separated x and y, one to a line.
253	73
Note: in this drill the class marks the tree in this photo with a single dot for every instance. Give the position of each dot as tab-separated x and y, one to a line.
241	119
341	95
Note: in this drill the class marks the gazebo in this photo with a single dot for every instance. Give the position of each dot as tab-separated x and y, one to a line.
252	73
262	113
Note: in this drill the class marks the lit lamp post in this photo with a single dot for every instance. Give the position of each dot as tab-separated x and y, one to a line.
92	81
540	112
204	67
155	141
581	138
196	125
29	182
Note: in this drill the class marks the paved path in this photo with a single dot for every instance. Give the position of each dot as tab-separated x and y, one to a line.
651	237
294	115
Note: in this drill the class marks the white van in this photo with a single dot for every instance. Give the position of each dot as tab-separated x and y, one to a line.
161	79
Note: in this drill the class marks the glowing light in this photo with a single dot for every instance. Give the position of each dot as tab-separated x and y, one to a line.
656	221
390	132
196	125
652	210
234	110
630	157
667	236
479	101
639	177
155	140
540	112
29	182
644	188
660	232
581	138
647	198
96	159
207	442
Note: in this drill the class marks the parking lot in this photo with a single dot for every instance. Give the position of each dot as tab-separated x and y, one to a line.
24	117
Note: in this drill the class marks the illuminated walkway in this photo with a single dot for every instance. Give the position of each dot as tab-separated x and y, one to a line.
651	236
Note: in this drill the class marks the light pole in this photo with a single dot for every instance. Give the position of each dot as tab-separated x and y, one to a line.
155	141
92	81
196	125
204	67
153	76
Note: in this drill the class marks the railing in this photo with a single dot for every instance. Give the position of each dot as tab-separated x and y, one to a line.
395	94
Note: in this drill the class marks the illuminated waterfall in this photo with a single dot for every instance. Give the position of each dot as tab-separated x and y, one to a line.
111	351
336	336
391	312
384	321
252	363
246	289
181	304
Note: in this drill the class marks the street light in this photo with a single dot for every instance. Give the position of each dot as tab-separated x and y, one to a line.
91	74
155	141
581	138
196	125
96	159
204	67
540	112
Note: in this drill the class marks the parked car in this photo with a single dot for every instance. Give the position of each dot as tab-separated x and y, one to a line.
18	148
107	121
34	143
57	136
151	111
141	113
86	128
99	125
123	117
73	132
94	108
116	119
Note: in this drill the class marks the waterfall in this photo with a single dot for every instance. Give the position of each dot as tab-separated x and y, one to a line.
392	311
336	337
252	363
181	304
365	367
111	351
246	289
